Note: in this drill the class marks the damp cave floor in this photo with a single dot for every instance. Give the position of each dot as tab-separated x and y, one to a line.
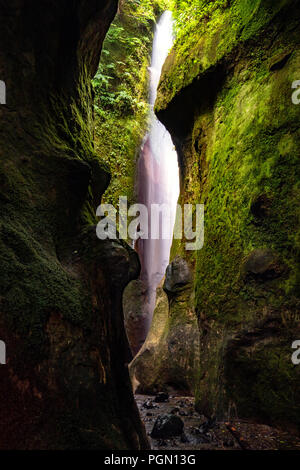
234	435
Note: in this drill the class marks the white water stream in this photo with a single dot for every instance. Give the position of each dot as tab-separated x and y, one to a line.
158	175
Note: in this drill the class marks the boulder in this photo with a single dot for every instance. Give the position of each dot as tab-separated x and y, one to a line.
167	426
178	275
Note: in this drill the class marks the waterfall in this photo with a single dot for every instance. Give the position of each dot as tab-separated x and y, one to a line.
158	175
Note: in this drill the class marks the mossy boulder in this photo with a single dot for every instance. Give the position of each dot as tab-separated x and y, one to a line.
178	275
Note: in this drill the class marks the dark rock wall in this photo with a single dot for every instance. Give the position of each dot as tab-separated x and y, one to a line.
135	314
66	383
225	96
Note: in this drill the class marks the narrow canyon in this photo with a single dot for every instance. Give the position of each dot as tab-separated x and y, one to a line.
136	342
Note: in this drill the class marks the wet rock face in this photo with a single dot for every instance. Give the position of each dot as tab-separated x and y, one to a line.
178	275
226	125
177	280
135	314
168	359
60	287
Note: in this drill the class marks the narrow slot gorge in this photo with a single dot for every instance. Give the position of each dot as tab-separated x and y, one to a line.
120	343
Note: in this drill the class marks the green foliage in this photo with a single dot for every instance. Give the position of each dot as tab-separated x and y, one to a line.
121	93
189	13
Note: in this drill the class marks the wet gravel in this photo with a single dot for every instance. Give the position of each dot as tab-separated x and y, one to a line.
202	434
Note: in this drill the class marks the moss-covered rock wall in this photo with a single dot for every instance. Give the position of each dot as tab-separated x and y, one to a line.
66	383
121	87
225	96
169	358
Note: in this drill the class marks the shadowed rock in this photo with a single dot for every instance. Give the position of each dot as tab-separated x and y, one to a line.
136	314
168	359
178	275
66	382
167	426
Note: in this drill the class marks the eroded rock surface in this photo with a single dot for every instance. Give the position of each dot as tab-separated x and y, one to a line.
135	314
66	382
225	96
178	275
169	357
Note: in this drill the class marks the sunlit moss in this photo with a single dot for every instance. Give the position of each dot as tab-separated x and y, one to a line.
239	157
121	88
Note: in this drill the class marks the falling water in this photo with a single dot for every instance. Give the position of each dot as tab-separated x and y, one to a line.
158	176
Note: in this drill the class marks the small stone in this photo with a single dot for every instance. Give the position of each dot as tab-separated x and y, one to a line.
162	443
149	405
196	430
181	403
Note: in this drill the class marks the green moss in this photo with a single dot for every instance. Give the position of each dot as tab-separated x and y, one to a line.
39	276
207	35
251	151
239	157
121	88
44	194
266	382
